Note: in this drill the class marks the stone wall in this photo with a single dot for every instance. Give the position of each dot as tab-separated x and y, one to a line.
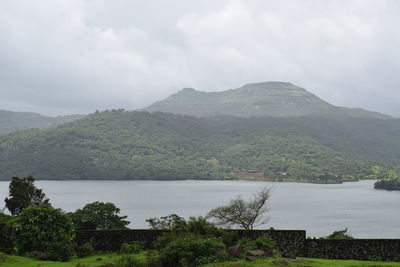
356	249
111	240
288	242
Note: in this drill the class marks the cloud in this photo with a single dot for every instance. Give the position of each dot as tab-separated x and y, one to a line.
78	56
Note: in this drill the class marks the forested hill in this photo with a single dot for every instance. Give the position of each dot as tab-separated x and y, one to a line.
15	121
272	99
141	145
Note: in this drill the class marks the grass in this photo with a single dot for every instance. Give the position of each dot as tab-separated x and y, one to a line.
92	261
17	261
303	262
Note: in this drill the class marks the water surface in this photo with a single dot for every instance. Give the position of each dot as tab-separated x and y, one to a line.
319	209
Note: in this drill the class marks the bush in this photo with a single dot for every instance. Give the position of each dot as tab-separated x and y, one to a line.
46	229
192	250
38	255
128	261
131	248
84	250
6	244
263	243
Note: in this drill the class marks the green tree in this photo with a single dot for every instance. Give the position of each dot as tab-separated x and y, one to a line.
99	216
23	193
241	213
339	234
45	229
170	222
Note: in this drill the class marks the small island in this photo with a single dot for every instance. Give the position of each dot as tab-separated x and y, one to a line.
388	184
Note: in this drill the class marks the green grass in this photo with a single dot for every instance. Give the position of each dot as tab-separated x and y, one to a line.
17	261
303	262
92	261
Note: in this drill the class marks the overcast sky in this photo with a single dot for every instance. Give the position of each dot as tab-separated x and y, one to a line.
76	56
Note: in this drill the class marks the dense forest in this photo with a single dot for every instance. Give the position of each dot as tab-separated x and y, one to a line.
122	144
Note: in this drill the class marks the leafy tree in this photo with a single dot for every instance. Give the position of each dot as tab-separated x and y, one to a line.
170	222
339	234
99	216
23	193
46	229
241	213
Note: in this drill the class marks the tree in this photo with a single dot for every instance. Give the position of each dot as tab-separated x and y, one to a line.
339	234
23	193
99	216
45	229
170	222
241	213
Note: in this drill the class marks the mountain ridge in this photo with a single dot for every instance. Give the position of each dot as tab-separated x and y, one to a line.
11	121
265	99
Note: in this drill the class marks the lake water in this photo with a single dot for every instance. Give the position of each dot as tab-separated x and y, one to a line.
318	209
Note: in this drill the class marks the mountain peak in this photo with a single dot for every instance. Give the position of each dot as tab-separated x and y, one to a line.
263	99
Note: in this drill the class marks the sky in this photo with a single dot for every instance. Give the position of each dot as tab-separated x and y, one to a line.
77	56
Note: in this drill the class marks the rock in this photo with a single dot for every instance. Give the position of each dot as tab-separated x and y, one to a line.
99	259
252	255
235	251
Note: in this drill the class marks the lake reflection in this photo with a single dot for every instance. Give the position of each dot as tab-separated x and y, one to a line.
319	209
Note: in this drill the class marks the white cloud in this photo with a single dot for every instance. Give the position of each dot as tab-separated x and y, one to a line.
78	56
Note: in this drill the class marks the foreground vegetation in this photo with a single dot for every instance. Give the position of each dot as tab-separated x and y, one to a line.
112	258
36	234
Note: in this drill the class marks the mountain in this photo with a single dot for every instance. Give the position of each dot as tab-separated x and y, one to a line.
272	99
141	145
272	129
16	121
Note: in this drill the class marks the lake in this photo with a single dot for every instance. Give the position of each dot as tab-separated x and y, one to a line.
318	209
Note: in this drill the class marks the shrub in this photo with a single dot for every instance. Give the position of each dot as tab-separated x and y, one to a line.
266	244
128	261
5	233
84	250
131	248
46	229
39	255
263	243
192	250
152	258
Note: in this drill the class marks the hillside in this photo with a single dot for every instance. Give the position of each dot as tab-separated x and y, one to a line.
16	121
272	99
142	145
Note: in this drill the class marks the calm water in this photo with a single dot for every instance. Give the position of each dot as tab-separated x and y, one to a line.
319	209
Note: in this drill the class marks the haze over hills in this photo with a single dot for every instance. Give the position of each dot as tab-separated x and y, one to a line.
272	99
274	127
16	121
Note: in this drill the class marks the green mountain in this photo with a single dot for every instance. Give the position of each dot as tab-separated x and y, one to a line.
16	121
273	99
275	128
141	145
